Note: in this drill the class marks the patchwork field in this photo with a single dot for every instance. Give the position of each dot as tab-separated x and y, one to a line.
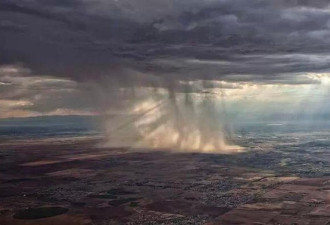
73	182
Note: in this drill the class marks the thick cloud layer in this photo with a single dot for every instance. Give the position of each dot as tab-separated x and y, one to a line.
232	40
157	67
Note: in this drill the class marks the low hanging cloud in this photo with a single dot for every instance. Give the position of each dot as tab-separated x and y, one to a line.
71	55
186	40
157	67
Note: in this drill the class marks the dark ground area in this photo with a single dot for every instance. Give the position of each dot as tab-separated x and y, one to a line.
70	181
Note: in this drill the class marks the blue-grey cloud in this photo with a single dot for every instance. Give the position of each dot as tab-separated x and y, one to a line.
257	40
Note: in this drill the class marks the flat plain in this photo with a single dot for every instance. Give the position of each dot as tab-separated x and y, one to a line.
72	181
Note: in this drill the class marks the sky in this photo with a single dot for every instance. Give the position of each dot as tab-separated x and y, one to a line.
265	58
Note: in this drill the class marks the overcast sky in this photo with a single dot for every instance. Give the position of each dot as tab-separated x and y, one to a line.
60	57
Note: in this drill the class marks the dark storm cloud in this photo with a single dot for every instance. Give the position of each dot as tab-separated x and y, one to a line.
236	40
